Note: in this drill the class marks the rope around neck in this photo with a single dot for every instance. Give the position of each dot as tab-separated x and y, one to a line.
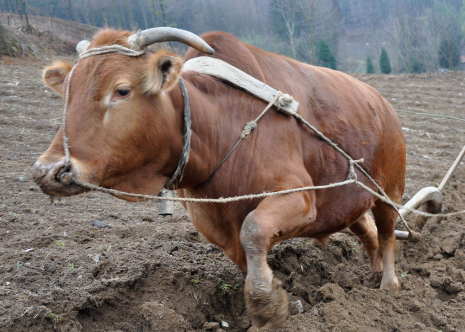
187	137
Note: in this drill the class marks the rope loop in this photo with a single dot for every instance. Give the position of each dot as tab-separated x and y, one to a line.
352	175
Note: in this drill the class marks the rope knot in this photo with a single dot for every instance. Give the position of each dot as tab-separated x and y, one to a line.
352	175
248	129
284	99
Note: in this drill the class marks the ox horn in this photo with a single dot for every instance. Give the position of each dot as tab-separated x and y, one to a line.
164	34
82	46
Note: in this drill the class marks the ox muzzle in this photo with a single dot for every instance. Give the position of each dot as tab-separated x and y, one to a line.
54	180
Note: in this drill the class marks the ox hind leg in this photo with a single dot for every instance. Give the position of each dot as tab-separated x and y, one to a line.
364	228
275	219
385	219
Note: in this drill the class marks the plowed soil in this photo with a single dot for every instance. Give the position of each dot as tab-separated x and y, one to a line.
96	263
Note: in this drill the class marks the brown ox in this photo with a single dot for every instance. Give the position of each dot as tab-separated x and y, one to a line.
125	128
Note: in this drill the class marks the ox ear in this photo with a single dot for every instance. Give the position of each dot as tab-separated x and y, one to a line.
162	73
54	75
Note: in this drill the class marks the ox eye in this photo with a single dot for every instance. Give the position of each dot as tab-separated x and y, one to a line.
121	93
124	92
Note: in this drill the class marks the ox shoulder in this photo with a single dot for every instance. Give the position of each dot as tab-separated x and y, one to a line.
236	77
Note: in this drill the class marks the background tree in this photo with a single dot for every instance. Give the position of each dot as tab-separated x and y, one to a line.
416	66
321	19
116	14
370	68
411	31
289	11
310	10
451	34
71	16
161	2
384	63
449	54
26	15
326	56
9	6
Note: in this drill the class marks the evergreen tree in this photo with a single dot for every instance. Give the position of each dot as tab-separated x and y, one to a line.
370	68
326	56
449	54
416	66
384	62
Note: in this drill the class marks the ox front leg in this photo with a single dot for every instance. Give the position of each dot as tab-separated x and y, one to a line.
275	219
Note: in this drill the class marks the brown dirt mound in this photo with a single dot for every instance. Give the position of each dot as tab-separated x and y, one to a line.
95	263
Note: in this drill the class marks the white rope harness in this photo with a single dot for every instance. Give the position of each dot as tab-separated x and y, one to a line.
283	100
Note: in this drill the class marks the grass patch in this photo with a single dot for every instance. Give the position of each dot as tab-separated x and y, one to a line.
224	285
54	317
60	244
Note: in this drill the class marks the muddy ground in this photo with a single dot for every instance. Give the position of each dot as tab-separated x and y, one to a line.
96	263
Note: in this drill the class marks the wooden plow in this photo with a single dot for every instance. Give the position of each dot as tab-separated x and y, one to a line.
431	196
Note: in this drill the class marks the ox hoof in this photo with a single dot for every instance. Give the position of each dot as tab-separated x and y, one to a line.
391	284
267	308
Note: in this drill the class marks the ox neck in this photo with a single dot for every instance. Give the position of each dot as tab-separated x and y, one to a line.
208	146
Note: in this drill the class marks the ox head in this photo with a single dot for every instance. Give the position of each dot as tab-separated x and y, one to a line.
123	127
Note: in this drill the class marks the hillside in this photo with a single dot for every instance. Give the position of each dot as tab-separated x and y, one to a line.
48	36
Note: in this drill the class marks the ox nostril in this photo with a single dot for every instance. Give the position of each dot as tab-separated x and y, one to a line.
59	173
64	176
55	179
67	178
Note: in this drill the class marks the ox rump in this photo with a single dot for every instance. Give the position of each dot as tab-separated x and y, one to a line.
125	129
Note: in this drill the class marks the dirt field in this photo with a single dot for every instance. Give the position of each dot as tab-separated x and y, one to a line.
96	263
